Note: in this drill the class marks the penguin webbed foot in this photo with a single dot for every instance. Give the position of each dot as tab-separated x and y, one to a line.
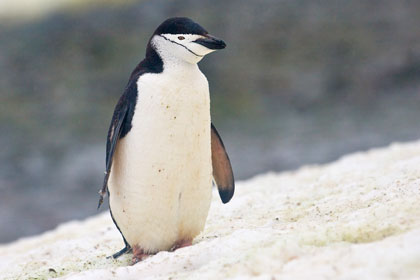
138	255
181	244
125	250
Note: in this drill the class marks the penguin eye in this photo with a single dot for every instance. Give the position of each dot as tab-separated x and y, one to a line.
181	37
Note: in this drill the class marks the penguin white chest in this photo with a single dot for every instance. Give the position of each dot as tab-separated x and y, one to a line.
160	182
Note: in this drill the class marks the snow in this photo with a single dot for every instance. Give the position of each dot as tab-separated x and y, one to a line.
356	218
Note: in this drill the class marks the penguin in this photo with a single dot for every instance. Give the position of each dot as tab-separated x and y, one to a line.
162	151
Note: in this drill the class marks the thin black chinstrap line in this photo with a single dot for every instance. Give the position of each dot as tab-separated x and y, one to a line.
181	46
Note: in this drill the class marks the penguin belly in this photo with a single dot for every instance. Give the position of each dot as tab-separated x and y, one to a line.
161	176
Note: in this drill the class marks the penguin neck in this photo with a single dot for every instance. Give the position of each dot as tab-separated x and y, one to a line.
152	62
171	61
156	62
175	65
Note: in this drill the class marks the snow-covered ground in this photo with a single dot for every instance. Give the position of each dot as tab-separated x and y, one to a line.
356	218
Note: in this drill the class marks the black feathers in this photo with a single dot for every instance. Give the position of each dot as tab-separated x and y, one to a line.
180	25
124	110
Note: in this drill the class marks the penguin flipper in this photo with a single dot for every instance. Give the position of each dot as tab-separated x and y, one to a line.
126	249
112	139
222	169
118	123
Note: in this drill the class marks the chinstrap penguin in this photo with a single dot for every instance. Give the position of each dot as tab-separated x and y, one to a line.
162	150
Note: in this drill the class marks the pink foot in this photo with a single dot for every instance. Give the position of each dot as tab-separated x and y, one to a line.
138	255
181	244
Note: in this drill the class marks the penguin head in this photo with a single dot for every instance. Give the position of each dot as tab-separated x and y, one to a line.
183	39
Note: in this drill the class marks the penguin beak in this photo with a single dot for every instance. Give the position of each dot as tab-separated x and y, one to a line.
211	42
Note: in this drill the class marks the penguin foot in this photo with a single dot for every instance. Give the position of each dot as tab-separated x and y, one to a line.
181	244
126	249
138	255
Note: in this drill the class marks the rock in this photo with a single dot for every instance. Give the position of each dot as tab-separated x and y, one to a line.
356	218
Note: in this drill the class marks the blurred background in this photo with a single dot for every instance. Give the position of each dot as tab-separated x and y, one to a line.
301	82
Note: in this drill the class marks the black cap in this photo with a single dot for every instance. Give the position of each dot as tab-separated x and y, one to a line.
180	25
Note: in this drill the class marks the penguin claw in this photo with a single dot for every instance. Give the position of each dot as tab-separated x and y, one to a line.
135	260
